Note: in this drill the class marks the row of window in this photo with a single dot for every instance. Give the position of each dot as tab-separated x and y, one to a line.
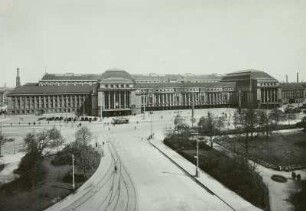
66	83
32	111
116	85
185	89
268	84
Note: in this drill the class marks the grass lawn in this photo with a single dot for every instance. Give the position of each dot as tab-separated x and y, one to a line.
279	149
48	191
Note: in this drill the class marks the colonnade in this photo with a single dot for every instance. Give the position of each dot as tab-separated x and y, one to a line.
269	96
185	99
117	99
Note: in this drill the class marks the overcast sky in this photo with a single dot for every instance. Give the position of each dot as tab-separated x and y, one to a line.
151	36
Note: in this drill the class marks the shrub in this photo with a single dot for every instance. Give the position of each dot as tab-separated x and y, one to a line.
30	170
298	199
67	178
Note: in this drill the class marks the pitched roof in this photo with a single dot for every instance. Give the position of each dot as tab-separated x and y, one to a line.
247	74
185	85
48	90
292	86
155	77
70	76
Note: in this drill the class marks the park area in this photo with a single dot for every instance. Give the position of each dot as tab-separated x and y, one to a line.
225	169
36	166
280	149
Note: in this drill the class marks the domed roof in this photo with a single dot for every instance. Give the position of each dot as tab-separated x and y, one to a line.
116	74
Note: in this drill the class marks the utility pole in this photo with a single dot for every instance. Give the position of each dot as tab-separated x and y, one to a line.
14	146
197	169
73	185
192	112
151	126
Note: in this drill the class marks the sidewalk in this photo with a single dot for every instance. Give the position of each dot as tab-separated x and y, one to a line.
228	196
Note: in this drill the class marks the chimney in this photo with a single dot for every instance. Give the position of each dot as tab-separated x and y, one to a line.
297	77
286	78
17	78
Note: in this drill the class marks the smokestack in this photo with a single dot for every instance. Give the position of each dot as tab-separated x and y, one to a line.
297	77
286	78
17	78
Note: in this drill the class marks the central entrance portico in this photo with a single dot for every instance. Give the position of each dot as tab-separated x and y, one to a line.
116	94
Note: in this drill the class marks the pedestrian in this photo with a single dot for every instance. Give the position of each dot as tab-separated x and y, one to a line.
115	168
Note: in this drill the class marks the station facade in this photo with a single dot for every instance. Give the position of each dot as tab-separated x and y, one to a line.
116	92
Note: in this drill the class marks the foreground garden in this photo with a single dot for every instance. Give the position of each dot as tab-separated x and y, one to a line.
45	173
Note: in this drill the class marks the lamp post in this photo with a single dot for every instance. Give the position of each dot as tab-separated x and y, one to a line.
73	184
197	169
151	124
197	173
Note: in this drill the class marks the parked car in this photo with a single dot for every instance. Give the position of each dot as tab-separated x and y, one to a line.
120	120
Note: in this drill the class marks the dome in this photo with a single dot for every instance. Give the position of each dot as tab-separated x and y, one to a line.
116	74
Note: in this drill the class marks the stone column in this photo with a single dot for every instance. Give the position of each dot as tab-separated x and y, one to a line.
109	97
119	99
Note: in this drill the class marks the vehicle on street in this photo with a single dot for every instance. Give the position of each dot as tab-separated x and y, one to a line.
120	120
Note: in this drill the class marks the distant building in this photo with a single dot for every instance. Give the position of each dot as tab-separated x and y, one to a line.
255	88
4	91
293	92
115	92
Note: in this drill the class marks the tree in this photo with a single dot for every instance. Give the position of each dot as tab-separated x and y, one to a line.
81	149
302	123
209	126
83	136
249	122
30	168
43	141
56	137
180	125
237	120
265	123
2	141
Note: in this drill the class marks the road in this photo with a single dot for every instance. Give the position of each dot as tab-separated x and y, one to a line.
144	179
159	184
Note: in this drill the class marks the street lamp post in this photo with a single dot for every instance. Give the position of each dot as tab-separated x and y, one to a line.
197	169
197	173
151	125
73	184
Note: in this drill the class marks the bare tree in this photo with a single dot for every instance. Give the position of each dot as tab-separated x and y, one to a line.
265	122
2	141
249	122
56	137
83	136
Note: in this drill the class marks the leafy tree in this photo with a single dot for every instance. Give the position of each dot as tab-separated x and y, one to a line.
209	126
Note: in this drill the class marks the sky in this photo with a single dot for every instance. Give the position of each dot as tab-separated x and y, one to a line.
151	36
